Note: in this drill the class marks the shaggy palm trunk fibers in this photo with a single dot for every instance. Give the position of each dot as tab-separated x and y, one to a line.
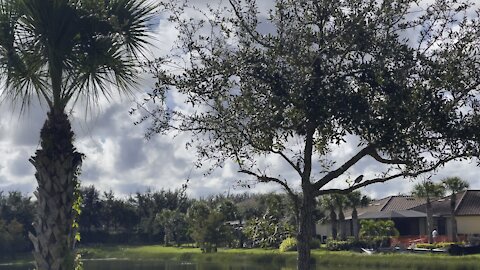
57	164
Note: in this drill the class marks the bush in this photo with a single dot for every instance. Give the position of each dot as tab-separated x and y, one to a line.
446	244
377	233
289	244
425	245
359	243
436	245
335	245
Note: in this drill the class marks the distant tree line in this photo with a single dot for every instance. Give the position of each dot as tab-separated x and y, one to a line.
166	217
16	217
172	218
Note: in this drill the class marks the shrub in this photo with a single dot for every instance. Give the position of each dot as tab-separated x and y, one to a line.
425	245
335	245
289	244
266	232
377	233
445	244
436	245
359	243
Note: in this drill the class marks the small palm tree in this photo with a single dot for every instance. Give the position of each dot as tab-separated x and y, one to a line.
339	201
428	190
328	202
61	51
454	185
354	200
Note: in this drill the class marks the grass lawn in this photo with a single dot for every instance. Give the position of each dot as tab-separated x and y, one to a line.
327	259
322	257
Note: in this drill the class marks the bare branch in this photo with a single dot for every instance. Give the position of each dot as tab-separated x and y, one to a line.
246	27
289	161
268	179
387	178
336	173
374	154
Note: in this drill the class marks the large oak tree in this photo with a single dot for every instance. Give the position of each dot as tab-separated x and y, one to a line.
399	76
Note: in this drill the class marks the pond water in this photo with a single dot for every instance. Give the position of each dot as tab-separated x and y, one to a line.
175	265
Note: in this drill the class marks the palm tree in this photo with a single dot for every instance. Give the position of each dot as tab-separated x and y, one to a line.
428	190
328	202
354	200
61	51
454	185
339	201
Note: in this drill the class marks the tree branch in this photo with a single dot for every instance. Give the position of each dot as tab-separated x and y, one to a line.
247	28
374	154
267	179
386	178
336	173
297	169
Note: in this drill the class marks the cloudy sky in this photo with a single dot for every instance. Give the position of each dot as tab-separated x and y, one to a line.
118	157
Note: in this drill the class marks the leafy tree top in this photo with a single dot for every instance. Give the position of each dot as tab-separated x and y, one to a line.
401	76
428	189
455	184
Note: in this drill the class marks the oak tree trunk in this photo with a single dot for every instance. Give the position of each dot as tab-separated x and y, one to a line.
305	228
57	165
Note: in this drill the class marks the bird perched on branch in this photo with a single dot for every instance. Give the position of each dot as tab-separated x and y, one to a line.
358	179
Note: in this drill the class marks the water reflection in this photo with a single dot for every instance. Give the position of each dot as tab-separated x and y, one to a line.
163	265
171	265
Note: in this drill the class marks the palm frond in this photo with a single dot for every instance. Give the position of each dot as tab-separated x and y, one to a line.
91	45
102	66
20	68
130	20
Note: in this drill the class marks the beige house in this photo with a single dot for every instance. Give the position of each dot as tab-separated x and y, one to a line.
467	212
409	215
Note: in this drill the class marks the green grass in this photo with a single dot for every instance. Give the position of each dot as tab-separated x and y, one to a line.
156	252
332	259
322	257
19	258
396	260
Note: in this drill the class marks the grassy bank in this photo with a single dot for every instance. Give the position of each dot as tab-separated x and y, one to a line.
325	259
188	254
322	257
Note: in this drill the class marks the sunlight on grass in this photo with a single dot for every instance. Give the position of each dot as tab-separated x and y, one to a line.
273	256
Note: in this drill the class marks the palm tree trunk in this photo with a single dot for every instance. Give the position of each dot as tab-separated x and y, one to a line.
355	224
343	227
429	221
453	202
57	166
333	222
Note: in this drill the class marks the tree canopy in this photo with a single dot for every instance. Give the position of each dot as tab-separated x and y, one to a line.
399	77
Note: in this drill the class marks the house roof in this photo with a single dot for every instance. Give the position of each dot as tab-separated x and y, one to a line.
392	214
373	206
402	203
388	204
468	204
